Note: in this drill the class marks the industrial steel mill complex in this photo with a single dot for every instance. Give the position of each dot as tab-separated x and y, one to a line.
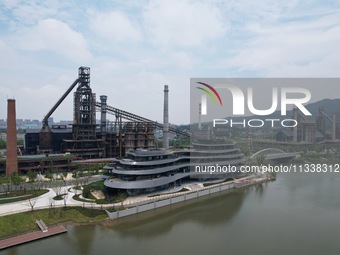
86	139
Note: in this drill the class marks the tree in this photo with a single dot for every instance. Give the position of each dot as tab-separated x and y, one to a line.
51	205
41	166
31	202
86	192
5	183
49	176
2	144
69	161
81	168
75	176
16	179
65	197
31	175
121	196
57	187
261	160
64	175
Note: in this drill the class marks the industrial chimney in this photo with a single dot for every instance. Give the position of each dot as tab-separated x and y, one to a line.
166	118
334	127
199	116
11	149
103	110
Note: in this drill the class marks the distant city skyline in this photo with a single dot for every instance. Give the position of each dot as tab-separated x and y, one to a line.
134	48
32	123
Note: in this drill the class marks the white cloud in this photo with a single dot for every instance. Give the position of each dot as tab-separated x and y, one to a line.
5	93
46	92
182	60
183	23
56	36
135	47
294	48
31	12
20	12
39	100
10	3
7	54
114	25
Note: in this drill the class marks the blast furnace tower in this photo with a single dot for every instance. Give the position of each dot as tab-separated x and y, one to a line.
85	142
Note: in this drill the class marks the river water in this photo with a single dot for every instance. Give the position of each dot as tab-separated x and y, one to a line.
296	214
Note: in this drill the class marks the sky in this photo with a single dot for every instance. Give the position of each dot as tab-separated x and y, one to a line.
136	47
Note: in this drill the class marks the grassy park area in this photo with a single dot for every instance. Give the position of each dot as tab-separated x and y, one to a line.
19	195
25	222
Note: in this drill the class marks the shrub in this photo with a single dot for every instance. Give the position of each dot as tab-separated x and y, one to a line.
86	192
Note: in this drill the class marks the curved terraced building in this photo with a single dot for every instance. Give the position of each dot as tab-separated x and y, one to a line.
147	171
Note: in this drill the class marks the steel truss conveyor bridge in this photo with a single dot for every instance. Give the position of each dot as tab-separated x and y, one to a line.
133	117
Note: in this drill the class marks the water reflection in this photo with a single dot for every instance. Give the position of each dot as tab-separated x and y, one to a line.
294	213
208	211
319	189
82	239
13	251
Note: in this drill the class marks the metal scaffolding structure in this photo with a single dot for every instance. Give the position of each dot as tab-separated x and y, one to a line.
129	135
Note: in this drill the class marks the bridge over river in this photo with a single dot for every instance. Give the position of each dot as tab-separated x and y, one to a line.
273	154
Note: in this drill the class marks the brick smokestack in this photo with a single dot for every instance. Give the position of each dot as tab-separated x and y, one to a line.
11	150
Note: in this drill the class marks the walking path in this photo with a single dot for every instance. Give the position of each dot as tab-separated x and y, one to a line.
44	201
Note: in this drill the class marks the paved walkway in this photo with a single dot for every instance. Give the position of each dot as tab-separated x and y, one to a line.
192	187
150	197
43	201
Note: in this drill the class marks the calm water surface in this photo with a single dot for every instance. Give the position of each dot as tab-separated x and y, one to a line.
296	214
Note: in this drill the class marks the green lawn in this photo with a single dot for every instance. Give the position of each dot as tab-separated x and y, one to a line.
98	185
20	195
24	222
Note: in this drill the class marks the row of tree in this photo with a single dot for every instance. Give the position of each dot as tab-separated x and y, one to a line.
32	179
